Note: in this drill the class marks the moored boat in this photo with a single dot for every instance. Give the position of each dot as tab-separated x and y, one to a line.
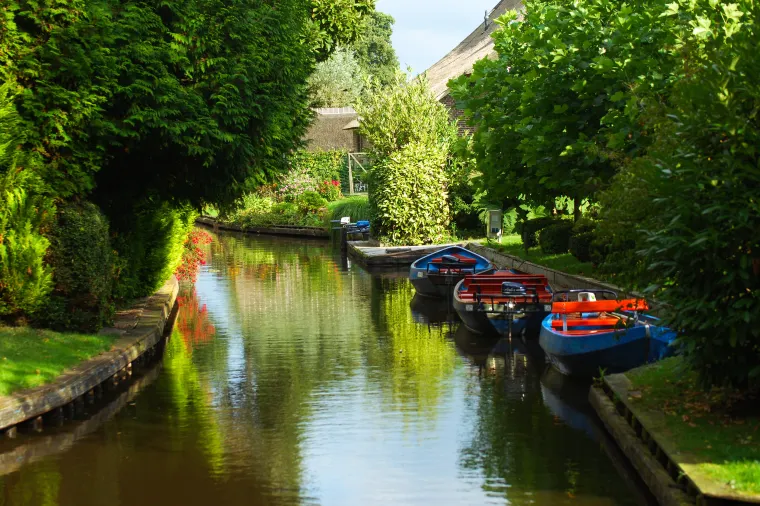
435	275
590	331
503	302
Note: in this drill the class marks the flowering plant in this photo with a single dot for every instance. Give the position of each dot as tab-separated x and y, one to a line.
193	256
296	182
330	190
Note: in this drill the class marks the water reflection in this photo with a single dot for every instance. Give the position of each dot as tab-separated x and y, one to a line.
291	378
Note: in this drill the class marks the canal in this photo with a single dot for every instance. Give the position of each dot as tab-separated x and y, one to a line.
292	377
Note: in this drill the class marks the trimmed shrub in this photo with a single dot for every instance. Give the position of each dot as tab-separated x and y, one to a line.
407	198
150	250
83	270
311	203
555	239
581	241
25	279
529	230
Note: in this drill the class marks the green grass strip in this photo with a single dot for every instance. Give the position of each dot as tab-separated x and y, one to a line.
726	444
565	262
30	358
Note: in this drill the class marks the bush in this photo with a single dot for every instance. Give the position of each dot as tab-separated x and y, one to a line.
555	239
310	203
83	270
529	230
150	249
25	279
581	241
407	196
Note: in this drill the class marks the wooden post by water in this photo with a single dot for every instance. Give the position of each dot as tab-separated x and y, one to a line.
350	176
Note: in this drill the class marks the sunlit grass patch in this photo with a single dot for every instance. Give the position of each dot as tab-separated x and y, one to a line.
719	427
565	262
29	357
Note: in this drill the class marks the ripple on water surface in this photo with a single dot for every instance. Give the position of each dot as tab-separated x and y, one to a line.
293	378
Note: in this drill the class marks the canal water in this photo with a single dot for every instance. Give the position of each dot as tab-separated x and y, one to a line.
293	377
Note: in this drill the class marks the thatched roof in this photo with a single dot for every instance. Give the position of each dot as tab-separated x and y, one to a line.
476	46
329	130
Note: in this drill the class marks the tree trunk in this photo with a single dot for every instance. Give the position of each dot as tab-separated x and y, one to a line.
577	208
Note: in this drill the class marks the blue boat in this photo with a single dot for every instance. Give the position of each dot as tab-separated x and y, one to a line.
504	303
435	275
590	331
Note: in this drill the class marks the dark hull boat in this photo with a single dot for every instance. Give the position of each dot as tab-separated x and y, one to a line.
585	336
436	274
503	303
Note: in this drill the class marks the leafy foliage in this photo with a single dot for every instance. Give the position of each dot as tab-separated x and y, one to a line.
150	251
411	135
374	49
25	280
83	270
407	198
702	237
559	107
320	165
401	114
311	203
555	238
337	82
530	229
581	244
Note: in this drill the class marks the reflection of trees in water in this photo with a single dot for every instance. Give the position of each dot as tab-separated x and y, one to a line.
529	456
39	485
418	360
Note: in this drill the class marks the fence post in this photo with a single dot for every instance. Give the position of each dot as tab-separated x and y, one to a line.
350	176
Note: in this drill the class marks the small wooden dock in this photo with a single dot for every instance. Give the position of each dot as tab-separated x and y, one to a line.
371	254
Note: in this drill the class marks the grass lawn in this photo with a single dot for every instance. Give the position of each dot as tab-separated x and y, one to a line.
565	262
703	424
29	357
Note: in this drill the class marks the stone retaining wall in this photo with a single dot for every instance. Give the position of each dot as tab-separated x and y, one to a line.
283	230
140	329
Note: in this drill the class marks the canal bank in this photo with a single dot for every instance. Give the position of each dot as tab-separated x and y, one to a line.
140	329
679	456
279	230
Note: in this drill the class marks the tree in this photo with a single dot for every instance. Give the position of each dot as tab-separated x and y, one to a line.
411	135
558	109
337	82
374	49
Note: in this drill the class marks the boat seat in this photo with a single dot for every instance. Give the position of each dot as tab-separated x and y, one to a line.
586	322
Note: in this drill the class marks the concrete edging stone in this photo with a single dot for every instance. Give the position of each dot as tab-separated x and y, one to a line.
139	333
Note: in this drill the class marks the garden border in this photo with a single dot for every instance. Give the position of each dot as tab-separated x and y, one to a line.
667	472
141	328
280	230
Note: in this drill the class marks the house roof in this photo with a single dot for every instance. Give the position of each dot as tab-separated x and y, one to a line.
476	46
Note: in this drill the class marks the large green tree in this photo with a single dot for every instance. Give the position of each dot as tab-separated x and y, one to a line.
558	108
338	81
374	49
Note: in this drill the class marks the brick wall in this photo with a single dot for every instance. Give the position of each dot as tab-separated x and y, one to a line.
456	114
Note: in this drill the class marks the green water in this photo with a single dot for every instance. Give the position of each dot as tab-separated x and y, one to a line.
294	378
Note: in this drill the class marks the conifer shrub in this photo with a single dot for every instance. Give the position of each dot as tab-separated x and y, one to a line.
83	269
150	250
407	196
25	279
555	239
